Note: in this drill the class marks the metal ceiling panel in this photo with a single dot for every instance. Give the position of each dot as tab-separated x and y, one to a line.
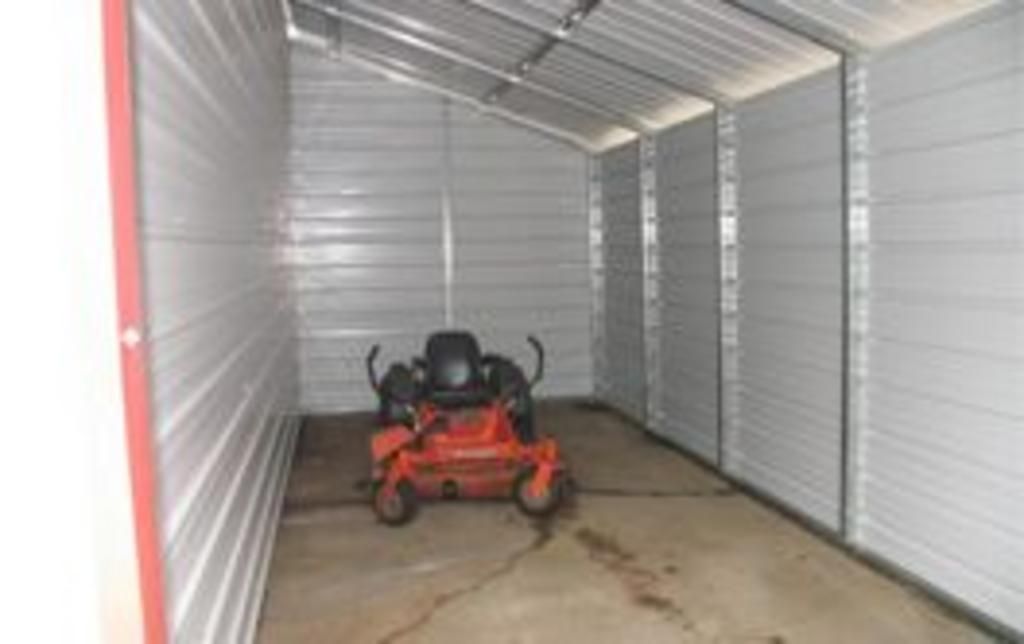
454	25
874	24
416	60
565	117
703	44
543	14
604	83
636	64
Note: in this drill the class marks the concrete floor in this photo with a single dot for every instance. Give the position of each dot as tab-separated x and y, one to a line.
654	549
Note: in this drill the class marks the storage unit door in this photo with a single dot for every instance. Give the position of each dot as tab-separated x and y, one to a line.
521	247
366	188
787	434
688	288
623	280
941	458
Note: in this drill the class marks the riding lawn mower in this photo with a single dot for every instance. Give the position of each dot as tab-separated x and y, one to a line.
458	424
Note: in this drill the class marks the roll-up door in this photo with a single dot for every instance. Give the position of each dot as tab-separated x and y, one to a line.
521	246
623	280
941	468
688	261
787	433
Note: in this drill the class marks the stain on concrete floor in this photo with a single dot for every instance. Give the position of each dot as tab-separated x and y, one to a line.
653	549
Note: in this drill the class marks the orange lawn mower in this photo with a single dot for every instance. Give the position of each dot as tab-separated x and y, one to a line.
456	424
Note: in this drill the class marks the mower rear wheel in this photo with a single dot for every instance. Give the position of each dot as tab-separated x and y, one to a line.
396	508
539	505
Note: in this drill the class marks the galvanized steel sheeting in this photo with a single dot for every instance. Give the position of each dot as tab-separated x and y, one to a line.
689	299
940	487
521	247
640	65
787	439
212	108
624	365
410	215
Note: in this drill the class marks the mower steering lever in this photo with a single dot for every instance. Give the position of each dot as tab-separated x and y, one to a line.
371	368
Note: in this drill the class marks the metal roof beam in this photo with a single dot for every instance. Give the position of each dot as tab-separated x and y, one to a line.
568	24
611	117
705	94
402	71
796	23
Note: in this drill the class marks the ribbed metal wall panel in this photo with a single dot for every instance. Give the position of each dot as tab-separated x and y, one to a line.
788	430
367	180
212	110
410	214
688	244
625	367
941	485
521	246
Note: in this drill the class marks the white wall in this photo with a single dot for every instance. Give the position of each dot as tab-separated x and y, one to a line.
787	438
212	125
941	486
410	215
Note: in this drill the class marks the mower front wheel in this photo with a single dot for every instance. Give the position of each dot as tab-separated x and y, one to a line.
539	505
396	507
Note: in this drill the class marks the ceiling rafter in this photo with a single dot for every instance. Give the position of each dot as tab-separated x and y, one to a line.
706	94
562	32
403	72
342	15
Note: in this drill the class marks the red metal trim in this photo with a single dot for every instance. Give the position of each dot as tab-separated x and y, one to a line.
131	319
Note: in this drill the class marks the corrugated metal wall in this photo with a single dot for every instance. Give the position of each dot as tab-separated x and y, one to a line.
689	268
212	109
787	439
521	247
623	280
411	215
940	486
366	186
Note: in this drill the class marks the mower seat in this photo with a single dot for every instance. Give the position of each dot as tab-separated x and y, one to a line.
454	371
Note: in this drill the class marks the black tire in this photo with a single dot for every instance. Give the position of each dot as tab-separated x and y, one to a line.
538	506
400	509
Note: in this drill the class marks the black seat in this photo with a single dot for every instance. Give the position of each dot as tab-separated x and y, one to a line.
454	370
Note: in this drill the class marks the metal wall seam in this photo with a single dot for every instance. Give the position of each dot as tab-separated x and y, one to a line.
652	299
597	291
447	230
726	151
856	279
